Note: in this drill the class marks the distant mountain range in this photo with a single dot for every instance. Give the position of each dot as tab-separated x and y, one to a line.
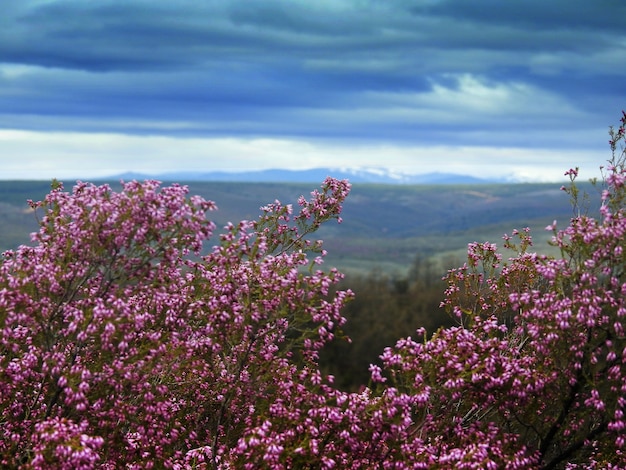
370	175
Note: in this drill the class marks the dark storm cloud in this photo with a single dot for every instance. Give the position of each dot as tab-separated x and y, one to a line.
480	72
557	15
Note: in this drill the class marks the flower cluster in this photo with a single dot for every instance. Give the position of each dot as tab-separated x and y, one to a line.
535	375
121	344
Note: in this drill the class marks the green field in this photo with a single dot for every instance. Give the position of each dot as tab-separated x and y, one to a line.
385	226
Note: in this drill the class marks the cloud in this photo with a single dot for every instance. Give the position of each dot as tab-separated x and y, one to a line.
70	156
517	74
533	14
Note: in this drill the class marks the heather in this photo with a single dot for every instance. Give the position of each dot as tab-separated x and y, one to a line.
123	343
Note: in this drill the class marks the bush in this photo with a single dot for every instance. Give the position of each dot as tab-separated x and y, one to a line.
535	374
119	346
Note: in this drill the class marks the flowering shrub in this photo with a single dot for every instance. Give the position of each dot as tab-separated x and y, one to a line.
122	346
534	376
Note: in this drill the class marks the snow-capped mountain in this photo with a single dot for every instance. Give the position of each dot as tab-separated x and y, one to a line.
316	175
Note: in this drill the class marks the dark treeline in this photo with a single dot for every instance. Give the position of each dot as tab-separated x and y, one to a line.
385	309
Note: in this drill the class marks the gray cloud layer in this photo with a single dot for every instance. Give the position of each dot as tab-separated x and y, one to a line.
520	73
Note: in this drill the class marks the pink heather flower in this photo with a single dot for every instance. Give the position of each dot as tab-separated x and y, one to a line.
551	227
376	372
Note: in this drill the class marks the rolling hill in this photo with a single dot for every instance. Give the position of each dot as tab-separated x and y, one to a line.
385	226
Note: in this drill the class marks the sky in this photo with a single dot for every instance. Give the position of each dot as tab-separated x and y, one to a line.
521	89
